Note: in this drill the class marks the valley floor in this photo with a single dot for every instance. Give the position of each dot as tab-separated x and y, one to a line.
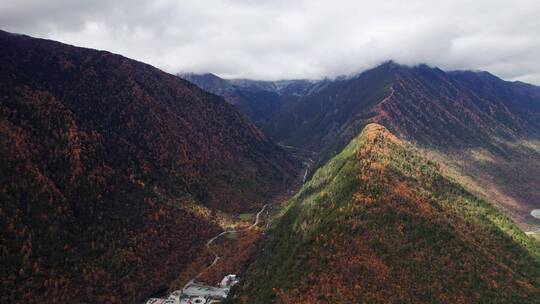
227	254
199	289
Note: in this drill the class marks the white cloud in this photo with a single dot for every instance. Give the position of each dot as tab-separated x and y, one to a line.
294	39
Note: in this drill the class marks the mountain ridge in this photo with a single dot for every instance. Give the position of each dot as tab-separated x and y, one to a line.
379	223
488	128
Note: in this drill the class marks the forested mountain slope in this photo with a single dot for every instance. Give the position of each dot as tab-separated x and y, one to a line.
111	170
381	224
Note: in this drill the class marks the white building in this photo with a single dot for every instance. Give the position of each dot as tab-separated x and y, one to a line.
228	281
197	293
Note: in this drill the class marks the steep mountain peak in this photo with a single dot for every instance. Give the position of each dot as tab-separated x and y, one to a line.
390	64
374	131
393	68
379	223
375	128
385	68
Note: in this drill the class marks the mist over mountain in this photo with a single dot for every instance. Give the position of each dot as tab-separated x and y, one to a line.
257	99
488	128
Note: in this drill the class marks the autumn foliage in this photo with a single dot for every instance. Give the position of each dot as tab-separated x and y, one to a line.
381	224
111	172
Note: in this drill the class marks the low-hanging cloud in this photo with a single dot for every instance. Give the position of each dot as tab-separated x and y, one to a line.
294	39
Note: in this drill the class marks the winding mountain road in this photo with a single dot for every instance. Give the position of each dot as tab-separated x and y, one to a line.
255	223
216	256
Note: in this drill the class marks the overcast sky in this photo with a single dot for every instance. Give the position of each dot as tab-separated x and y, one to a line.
281	39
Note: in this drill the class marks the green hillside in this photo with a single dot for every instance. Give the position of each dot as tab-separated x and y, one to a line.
381	224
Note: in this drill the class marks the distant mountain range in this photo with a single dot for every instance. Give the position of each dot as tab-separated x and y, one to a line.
257	99
486	128
111	170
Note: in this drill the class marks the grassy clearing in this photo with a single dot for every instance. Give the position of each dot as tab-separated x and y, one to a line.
246	216
232	236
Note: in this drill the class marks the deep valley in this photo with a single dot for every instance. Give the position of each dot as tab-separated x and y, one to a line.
122	183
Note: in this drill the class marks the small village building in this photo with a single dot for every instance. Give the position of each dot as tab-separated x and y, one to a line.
198	293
